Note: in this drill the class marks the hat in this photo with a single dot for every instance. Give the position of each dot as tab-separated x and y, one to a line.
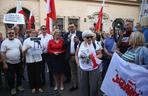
87	33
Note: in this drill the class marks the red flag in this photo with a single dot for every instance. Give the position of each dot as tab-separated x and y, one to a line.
51	13
31	20
98	26
19	9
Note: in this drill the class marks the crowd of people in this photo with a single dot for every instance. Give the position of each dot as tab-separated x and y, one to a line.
67	57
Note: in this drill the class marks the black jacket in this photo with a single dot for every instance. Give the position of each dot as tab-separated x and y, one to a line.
67	42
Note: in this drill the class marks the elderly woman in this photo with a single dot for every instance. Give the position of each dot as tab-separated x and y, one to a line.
32	49
56	51
87	54
137	53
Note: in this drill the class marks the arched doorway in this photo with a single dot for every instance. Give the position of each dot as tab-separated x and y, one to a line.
13	10
21	29
27	14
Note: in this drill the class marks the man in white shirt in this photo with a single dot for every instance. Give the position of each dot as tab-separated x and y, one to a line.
11	50
45	37
32	51
71	44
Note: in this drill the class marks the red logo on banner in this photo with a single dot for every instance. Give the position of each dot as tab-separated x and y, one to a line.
129	87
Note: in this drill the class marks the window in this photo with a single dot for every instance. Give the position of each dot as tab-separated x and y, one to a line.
74	20
60	24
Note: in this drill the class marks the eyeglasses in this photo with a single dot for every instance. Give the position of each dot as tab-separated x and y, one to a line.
10	33
89	37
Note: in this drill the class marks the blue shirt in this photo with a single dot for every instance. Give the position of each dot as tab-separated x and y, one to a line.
145	32
109	42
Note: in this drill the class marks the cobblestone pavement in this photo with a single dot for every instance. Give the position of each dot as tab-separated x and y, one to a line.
48	91
27	92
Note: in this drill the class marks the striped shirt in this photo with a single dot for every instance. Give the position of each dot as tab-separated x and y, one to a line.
129	55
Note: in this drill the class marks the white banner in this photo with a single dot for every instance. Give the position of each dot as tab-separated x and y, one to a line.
125	79
145	10
14	18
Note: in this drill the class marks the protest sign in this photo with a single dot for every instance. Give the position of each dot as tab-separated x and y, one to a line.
125	79
14	18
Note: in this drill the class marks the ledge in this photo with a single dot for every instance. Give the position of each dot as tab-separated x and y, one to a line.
117	2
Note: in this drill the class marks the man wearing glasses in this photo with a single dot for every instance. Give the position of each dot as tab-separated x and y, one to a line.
45	37
11	50
70	44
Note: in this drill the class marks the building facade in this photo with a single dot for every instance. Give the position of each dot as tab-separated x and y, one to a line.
82	12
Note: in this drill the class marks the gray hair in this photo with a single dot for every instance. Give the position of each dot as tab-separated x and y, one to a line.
136	39
87	33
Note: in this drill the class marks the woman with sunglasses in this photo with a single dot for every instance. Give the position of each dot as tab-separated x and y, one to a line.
87	57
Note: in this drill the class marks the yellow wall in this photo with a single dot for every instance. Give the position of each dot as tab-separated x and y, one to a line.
70	8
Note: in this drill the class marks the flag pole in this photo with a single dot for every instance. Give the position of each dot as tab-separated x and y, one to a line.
103	3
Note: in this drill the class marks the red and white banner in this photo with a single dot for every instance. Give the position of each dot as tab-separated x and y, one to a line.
51	14
125	79
31	20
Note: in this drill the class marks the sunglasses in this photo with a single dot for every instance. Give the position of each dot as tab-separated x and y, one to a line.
89	37
43	28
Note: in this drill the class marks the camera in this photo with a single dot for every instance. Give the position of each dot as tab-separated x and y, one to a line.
35	39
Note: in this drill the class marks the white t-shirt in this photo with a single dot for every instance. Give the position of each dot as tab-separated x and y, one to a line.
33	54
99	44
44	41
13	50
83	56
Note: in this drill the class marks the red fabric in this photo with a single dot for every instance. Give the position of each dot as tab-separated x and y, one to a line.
56	46
20	10
23	13
47	25
93	60
99	23
31	21
50	14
